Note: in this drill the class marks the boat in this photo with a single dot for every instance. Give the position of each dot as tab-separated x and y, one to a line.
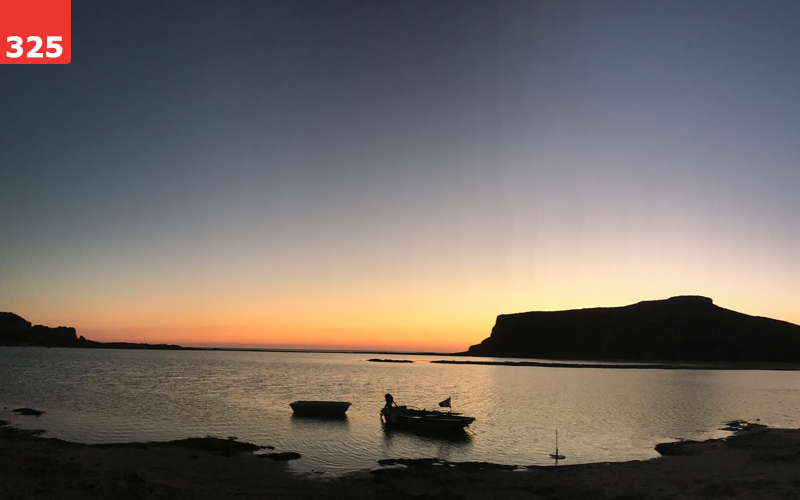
429	420
320	408
432	420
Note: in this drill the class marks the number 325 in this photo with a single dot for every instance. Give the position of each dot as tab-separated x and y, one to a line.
16	44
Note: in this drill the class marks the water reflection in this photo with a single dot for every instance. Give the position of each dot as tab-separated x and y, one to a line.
449	446
337	423
601	414
450	436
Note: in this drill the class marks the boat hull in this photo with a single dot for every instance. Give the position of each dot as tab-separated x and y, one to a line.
409	418
320	408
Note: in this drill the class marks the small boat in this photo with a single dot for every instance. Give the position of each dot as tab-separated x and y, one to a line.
320	408
430	420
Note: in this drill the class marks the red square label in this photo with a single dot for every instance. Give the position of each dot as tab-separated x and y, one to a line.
35	31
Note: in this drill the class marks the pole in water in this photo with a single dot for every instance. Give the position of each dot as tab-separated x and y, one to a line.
556	455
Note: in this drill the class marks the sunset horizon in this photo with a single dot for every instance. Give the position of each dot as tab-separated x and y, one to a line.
286	337
359	249
398	175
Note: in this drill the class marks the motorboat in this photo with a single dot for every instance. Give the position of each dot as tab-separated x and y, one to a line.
320	408
430	420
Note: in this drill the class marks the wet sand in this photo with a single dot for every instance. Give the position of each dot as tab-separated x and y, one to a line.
762	463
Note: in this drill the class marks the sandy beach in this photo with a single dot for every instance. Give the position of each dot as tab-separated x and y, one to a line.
762	463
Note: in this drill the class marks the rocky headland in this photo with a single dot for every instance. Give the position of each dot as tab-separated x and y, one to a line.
17	331
679	329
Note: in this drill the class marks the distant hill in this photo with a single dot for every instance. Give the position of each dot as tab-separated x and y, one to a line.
17	331
686	328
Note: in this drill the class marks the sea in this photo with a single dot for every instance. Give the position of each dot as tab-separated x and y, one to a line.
601	414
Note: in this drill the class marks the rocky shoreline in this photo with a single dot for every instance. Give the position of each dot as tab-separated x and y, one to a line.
610	365
754	463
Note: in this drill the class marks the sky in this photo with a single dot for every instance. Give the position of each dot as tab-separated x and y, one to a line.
395	174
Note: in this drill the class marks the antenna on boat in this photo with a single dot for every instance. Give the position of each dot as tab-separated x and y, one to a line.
556	455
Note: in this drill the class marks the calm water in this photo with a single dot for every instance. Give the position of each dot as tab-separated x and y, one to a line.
601	415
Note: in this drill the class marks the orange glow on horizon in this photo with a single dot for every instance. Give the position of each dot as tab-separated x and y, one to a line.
374	339
446	312
452	330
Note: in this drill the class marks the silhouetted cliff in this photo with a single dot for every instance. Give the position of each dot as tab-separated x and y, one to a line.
16	331
687	328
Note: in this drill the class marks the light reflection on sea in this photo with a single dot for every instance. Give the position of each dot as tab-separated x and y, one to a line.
98	396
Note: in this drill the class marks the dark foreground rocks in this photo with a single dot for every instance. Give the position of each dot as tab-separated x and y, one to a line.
764	464
28	412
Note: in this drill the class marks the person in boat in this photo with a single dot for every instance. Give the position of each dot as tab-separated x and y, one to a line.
389	401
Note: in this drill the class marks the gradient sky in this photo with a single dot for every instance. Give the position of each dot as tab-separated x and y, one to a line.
395	174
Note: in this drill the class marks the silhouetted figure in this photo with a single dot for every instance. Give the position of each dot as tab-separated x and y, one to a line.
389	401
